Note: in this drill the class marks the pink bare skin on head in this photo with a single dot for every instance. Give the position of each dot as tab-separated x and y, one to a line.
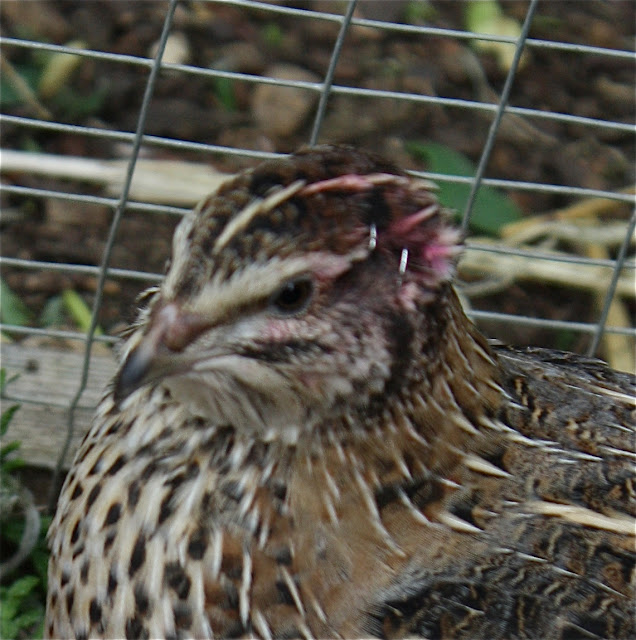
432	247
353	182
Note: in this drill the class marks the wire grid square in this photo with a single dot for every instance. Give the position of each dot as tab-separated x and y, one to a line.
351	28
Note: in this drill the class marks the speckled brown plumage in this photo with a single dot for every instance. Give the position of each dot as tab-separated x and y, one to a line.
307	438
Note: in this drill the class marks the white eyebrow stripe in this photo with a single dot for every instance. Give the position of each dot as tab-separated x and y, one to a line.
253	281
259	280
260	205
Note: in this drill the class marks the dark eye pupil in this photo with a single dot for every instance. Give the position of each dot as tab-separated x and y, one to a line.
293	296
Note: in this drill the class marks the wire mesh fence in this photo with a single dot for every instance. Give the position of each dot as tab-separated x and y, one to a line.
227	83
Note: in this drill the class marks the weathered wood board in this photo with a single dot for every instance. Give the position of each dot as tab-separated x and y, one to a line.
48	379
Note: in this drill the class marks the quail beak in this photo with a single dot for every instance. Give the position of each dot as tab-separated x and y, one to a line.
157	355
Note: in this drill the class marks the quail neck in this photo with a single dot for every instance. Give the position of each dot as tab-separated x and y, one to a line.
306	437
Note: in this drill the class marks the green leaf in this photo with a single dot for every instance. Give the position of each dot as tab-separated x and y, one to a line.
27	619
224	90
20	589
40	561
6	417
78	310
491	209
59	69
8	466
76	106
14	599
12	309
486	16
482	16
565	340
272	34
9	97
12	529
8	448
4	381
418	12
53	312
8	611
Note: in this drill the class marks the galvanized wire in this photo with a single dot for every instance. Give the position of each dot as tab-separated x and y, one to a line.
325	89
611	289
494	127
328	83
110	243
519	185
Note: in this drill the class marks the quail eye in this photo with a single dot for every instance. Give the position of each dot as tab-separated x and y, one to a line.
293	296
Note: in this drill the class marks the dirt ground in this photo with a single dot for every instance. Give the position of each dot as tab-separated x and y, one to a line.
107	95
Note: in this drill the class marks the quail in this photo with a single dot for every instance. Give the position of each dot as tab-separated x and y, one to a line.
307	438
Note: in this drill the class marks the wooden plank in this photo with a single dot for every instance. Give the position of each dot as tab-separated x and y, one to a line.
47	381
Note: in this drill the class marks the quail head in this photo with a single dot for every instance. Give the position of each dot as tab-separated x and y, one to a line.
306	437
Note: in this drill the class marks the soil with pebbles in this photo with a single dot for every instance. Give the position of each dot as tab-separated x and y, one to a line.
242	114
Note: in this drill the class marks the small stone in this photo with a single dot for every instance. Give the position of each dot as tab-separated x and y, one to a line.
283	110
177	49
